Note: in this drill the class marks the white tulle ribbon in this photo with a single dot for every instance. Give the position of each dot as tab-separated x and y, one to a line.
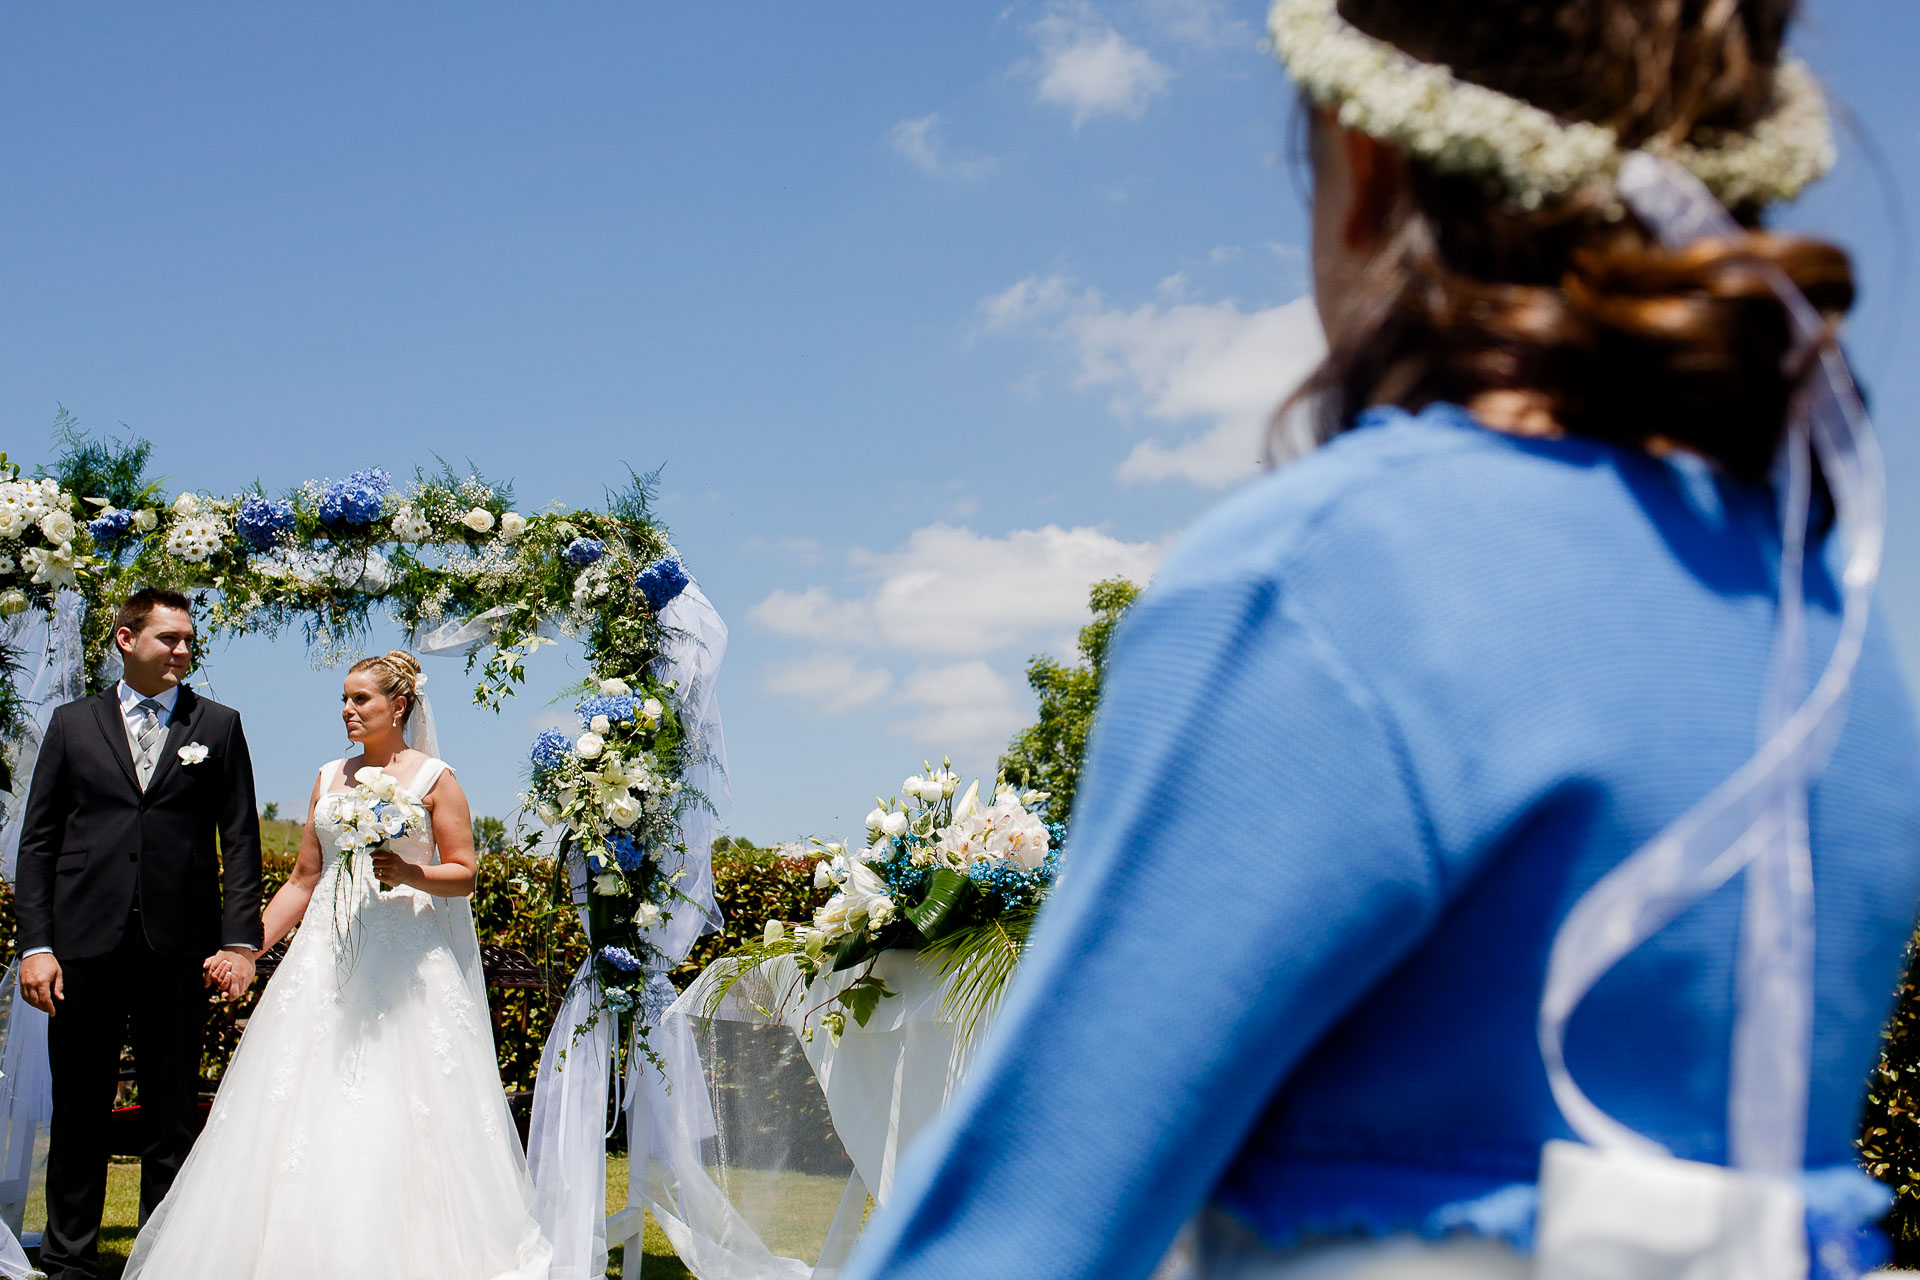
53	671
1756	822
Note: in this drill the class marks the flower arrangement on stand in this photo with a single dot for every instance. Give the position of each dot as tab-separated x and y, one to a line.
949	873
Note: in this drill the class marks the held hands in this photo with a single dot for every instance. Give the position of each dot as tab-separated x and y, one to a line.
42	981
229	969
392	869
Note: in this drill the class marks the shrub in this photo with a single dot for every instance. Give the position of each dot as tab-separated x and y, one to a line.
512	908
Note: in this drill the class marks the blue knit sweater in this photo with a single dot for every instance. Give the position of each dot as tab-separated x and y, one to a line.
1381	719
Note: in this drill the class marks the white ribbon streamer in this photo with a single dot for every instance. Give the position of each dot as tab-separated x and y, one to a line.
1756	820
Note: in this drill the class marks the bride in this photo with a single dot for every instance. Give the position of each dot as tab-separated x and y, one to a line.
361	1128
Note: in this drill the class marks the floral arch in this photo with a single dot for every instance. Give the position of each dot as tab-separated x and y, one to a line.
627	800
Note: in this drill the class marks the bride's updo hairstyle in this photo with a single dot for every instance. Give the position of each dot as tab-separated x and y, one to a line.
1572	300
396	674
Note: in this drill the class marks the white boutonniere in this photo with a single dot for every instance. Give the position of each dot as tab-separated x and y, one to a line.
192	753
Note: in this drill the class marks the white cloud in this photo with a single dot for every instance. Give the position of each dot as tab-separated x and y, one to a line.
919	143
1177	361
1092	70
1204	24
950	590
833	682
960	707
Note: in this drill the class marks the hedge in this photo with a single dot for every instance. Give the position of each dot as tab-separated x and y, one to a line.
511	908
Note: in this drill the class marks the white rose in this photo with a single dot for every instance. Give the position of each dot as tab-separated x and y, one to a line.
12	602
608	884
651	709
512	525
894	824
600	725
58	526
647	916
615	688
186	504
12	520
879	910
589	745
876	819
623	811
146	520
480	520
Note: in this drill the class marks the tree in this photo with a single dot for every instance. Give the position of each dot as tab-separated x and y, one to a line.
489	835
1046	755
270	811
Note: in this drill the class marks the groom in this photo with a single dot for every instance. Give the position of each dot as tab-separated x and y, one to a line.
140	814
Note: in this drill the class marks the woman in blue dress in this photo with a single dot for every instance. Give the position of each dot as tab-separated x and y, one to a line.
1388	717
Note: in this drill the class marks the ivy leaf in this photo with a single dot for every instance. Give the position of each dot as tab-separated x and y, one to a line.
863	997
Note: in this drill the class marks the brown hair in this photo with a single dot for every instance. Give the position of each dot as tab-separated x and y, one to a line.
140	605
1625	340
396	674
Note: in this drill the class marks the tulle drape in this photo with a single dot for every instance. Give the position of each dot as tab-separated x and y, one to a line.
765	1139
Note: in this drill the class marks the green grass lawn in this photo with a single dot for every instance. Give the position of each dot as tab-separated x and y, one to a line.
799	1235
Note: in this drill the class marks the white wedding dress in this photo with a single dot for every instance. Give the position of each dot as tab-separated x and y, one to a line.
361	1129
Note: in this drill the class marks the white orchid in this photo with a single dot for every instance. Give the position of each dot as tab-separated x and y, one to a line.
410	526
52	566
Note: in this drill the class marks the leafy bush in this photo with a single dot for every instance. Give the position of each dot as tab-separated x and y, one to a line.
512	908
1890	1125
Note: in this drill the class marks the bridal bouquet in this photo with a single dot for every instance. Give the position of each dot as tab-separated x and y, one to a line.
365	819
960	878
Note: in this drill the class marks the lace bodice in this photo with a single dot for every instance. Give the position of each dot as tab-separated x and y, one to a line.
419	849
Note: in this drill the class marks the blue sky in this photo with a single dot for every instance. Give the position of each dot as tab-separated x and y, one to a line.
933	314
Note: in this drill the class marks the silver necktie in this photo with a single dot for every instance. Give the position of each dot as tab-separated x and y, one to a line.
149	736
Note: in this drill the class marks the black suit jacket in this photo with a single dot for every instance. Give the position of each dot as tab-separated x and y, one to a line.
93	844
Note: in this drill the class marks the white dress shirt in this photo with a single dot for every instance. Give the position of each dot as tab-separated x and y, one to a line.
130	716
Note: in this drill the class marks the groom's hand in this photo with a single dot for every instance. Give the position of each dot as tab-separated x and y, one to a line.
231	969
41	979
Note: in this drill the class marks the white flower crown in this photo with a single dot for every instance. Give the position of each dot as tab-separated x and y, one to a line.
1387	93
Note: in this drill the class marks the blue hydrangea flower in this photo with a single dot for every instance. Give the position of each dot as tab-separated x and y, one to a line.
262	521
550	750
359	499
621	958
618	999
661	581
582	552
110	526
626	851
620	708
